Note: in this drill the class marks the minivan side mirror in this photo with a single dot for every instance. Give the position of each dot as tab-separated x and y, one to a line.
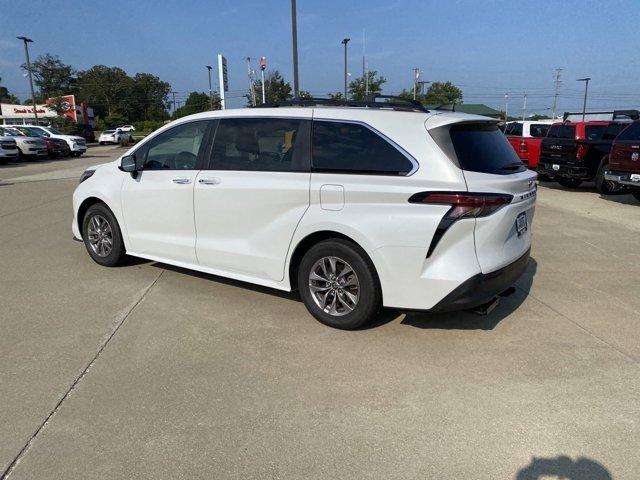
128	164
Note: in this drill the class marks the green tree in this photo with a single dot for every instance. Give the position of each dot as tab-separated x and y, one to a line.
197	102
276	89
53	77
6	97
106	89
336	96
357	87
304	94
438	93
148	98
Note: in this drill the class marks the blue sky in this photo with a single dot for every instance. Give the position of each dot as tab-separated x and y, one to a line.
487	48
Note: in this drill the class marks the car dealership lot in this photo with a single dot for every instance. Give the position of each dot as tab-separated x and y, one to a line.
153	371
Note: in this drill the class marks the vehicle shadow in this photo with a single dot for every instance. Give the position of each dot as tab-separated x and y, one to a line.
466	320
455	320
625	199
564	467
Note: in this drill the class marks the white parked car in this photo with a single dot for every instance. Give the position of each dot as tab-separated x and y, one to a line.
355	207
78	145
113	136
127	128
8	149
32	147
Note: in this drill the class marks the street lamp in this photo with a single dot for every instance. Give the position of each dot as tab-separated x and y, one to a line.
209	67
344	42
33	95
294	41
586	88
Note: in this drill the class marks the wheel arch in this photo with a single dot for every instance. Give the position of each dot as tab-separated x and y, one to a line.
309	241
84	206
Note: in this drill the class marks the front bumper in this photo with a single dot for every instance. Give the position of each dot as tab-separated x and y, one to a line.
8	154
623	178
563	170
75	147
482	288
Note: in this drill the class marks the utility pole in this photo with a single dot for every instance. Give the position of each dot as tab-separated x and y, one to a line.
586	88
365	76
174	101
524	107
506	107
556	84
250	73
209	67
33	95
416	76
344	42
294	36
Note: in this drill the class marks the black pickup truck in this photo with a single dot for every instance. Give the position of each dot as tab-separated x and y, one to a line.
574	152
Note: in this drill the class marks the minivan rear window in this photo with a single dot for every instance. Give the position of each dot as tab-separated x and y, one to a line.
562	131
478	147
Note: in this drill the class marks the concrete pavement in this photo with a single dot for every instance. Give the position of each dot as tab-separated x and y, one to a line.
148	371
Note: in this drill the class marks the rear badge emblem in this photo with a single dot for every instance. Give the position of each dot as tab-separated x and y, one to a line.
635	156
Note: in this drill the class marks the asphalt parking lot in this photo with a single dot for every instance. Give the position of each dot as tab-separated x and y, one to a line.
149	371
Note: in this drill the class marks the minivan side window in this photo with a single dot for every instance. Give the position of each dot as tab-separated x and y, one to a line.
354	148
261	144
174	149
630	134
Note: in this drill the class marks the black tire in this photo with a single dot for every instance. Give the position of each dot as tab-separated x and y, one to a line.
117	253
101	143
570	182
636	195
368	289
605	187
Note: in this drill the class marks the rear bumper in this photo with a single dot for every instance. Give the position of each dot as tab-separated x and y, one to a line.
562	170
623	178
482	288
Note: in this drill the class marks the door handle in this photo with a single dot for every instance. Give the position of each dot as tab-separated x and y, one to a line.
209	181
181	181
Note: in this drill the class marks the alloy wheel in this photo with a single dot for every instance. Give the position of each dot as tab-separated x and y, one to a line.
100	235
334	286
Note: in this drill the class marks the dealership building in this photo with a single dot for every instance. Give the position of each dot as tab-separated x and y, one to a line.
23	114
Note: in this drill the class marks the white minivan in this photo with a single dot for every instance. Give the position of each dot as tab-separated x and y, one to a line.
357	206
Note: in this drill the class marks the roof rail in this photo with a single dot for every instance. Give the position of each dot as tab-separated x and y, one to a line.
400	104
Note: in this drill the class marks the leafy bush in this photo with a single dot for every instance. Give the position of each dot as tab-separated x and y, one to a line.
62	123
148	125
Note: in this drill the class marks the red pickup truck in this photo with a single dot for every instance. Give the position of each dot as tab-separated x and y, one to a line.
623	168
525	138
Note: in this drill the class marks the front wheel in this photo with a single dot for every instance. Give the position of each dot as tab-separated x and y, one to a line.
102	237
339	285
570	182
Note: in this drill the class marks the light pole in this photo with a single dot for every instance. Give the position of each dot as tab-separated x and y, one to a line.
263	66
33	95
294	37
586	88
209	67
344	42
416	76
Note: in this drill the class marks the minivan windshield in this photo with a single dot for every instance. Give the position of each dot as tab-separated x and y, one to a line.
481	147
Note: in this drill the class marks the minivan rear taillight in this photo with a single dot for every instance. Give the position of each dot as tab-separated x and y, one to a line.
463	205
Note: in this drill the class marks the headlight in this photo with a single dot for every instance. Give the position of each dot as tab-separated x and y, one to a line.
86	174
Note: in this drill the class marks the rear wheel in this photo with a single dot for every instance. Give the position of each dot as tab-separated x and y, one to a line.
606	187
570	182
102	237
339	285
